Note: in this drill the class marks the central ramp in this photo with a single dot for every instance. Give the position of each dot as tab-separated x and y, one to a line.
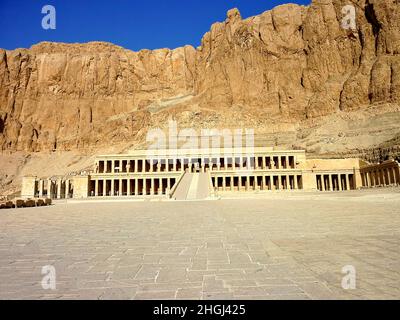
193	186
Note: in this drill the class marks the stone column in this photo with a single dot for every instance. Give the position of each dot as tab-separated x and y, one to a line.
136	187
120	193
128	187
96	188
295	184
256	183
113	166
67	182
330	182
223	183
151	164
263	163
49	188
144	187
247	183
40	188
168	185
287	162
152	186
396	175
174	164
347	182
104	188
340	182
58	190
112	187
387	177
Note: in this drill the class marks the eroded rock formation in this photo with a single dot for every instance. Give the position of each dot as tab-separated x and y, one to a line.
280	71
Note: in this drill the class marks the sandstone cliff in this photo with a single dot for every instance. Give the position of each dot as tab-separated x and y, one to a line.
293	74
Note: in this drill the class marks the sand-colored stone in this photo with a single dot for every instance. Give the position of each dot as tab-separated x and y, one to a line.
291	73
273	72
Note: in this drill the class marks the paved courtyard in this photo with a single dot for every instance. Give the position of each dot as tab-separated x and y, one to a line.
274	246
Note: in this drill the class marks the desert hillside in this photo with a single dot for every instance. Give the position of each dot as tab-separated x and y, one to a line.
293	74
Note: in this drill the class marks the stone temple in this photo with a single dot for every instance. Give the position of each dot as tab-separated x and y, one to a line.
184	174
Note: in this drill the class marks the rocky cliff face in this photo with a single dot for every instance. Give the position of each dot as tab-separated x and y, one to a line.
282	73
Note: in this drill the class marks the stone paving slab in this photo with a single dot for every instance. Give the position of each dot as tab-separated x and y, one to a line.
278	247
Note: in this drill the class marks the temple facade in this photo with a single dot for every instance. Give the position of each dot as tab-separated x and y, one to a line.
185	174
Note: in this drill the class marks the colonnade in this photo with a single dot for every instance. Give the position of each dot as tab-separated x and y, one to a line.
195	164
380	176
130	186
335	182
54	189
257	182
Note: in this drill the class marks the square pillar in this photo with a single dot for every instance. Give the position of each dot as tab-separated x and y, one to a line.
144	191
40	188
112	187
49	188
395	175
152	186
96	188
128	187
67	189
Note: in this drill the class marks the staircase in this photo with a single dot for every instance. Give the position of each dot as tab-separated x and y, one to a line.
192	186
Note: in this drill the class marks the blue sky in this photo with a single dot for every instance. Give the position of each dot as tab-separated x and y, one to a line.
133	24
